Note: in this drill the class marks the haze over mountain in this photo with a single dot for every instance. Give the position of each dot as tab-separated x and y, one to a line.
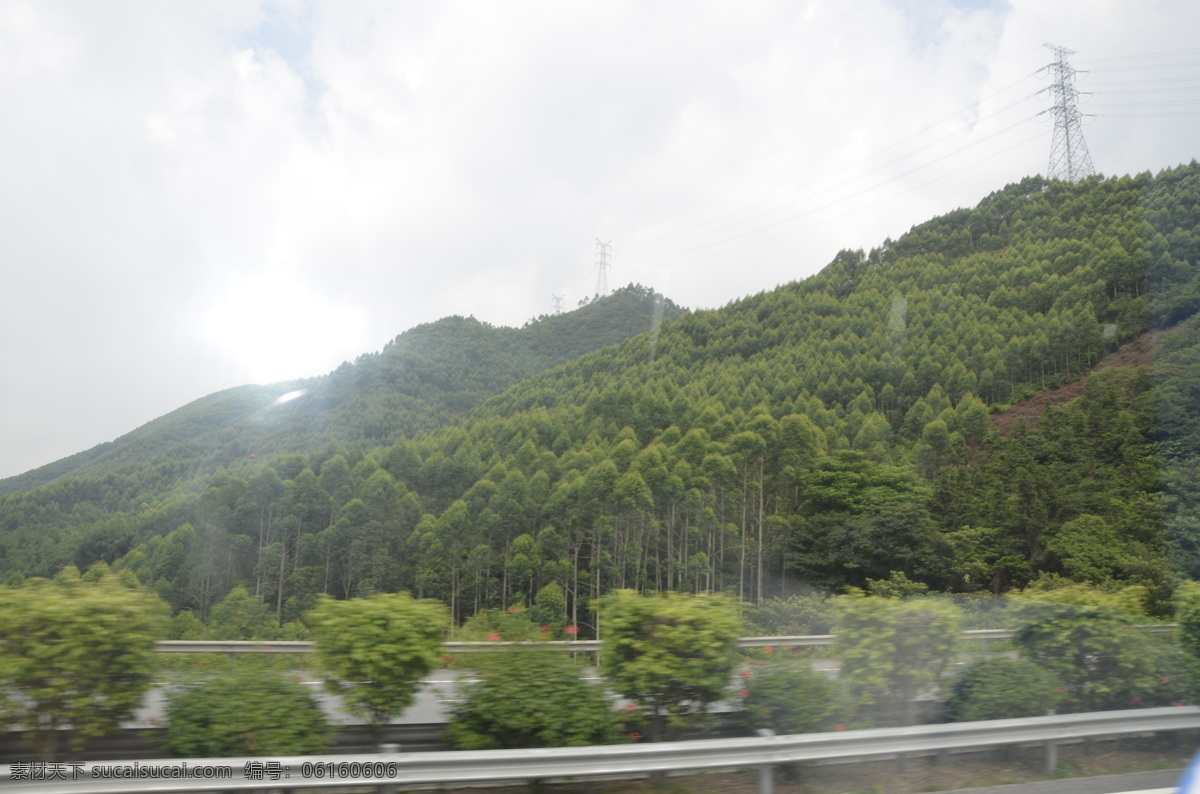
424	378
822	433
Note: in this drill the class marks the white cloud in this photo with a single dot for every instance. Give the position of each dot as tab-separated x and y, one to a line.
192	178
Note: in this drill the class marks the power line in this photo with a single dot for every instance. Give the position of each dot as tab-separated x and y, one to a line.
786	214
817	188
709	245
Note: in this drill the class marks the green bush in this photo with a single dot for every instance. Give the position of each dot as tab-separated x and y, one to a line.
1001	688
894	649
786	695
1103	661
499	625
534	698
797	615
250	714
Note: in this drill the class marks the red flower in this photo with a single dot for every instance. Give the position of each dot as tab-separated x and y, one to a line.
493	637
572	629
1178	704
746	674
839	727
1137	699
745	693
635	736
631	707
1164	680
768	649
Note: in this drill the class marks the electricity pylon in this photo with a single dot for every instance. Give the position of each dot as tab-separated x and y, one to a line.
602	266
1069	158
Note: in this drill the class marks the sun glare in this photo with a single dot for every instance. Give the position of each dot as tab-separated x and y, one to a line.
278	328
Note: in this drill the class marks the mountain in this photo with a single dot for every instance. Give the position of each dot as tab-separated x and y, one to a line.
825	433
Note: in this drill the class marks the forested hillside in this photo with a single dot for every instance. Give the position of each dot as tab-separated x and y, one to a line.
826	432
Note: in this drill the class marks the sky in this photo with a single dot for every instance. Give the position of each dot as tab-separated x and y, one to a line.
196	196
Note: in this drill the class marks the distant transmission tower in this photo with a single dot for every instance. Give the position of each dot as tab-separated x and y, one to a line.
558	299
602	266
1069	158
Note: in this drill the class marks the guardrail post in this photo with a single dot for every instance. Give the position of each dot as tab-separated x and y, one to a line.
388	788
766	772
1051	750
766	779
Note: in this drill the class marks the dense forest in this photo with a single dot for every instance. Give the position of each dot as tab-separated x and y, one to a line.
828	432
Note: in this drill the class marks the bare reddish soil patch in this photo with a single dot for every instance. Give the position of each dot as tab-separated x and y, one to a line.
1134	353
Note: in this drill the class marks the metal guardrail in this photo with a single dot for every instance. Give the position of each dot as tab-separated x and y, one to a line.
581	646
391	769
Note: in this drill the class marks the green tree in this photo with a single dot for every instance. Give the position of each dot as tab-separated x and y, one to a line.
672	655
549	609
1187	614
247	715
376	650
241	616
893	649
862	519
75	657
503	710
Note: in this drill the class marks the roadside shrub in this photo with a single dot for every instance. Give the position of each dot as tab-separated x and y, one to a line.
499	625
1103	661
810	613
1001	688
250	714
787	695
671	655
532	698
894	649
76	655
374	651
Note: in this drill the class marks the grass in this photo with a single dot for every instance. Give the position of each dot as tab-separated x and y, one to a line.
962	771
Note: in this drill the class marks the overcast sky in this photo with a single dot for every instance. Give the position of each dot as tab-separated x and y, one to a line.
195	196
